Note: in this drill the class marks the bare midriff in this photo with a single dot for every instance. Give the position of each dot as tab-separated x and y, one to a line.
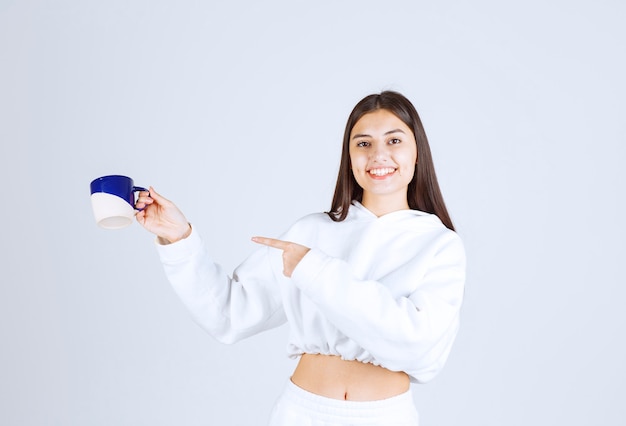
332	377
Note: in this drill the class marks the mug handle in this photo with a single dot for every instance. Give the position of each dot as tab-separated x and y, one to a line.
136	189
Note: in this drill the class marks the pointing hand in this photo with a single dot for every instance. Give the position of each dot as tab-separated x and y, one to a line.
292	252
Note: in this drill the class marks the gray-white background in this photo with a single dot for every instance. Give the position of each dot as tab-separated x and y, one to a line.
235	110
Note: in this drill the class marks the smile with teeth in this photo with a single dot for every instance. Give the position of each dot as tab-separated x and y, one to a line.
382	171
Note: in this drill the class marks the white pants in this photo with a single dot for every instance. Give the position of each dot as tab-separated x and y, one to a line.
297	407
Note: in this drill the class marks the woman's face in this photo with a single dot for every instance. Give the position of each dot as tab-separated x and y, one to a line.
383	154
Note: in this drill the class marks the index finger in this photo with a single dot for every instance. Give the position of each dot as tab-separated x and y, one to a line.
271	242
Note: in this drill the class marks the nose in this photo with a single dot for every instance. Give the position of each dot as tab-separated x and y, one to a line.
379	153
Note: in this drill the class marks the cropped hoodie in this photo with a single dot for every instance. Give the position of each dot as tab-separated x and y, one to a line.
383	290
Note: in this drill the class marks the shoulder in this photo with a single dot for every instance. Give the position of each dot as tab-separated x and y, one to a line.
435	237
314	219
308	224
322	220
420	223
448	248
447	240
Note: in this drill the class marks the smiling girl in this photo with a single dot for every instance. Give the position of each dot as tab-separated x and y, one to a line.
371	289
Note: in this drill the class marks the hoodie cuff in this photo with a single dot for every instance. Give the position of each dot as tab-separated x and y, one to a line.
180	250
309	268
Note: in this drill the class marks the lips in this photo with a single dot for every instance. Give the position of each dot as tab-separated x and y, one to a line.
383	171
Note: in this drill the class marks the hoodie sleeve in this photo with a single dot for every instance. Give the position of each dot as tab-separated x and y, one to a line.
412	333
230	308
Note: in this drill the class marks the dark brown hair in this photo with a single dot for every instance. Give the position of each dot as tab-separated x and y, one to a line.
423	192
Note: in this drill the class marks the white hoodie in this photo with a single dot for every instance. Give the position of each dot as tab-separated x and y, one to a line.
383	290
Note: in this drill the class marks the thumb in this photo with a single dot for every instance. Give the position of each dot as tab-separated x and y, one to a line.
141	217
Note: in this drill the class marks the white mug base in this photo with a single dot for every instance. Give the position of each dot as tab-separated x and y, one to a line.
111	211
115	222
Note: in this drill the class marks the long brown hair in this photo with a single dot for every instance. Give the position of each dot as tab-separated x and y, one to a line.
423	192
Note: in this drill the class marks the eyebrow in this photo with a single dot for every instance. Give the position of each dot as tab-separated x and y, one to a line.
363	135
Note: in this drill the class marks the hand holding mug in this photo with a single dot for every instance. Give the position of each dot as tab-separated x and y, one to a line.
161	217
292	252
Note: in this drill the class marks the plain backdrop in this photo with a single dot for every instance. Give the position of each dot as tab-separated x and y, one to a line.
235	110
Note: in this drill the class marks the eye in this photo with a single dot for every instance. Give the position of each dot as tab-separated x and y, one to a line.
362	144
394	141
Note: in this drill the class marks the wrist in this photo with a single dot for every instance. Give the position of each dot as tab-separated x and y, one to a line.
171	239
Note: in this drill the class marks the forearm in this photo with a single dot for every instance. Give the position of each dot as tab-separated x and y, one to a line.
228	309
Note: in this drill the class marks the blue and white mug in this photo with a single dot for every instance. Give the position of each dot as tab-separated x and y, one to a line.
113	201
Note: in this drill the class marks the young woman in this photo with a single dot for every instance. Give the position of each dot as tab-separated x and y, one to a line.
372	289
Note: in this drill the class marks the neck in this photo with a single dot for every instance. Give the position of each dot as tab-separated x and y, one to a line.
382	205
